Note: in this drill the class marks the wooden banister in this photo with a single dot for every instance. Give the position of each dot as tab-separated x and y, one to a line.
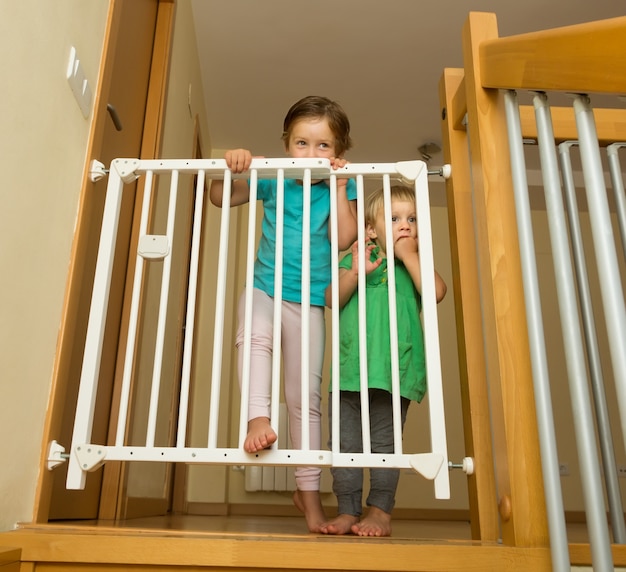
585	58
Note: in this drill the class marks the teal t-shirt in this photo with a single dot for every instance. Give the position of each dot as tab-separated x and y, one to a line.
412	363
292	239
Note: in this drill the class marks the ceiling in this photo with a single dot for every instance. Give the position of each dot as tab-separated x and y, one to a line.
382	60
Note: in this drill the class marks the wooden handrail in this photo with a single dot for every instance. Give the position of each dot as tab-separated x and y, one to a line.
584	58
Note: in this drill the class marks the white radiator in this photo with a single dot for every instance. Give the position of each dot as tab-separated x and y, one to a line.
432	463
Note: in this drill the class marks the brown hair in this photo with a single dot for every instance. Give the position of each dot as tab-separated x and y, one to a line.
314	106
375	201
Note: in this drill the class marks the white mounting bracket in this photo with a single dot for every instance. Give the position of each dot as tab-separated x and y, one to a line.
90	457
444	171
97	171
56	455
467	465
410	170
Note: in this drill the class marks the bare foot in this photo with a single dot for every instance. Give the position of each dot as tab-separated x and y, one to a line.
376	523
260	435
310	504
342	524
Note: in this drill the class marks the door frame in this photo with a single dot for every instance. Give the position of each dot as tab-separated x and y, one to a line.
115	503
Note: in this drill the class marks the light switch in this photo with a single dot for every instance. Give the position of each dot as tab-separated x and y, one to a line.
78	82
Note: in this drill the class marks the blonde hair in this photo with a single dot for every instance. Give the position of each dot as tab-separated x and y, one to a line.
375	201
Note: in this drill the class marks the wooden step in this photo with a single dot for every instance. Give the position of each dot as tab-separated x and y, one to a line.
252	544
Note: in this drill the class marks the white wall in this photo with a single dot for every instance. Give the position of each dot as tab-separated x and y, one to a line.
43	139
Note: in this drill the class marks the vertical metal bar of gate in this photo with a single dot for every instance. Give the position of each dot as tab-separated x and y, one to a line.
247	336
393	316
278	300
604	246
335	395
572	336
218	328
605	438
133	319
334	316
305	301
536	338
190	316
438	436
363	368
162	316
86	401
612	152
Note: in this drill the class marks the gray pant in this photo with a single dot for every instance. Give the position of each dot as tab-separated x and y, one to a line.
348	482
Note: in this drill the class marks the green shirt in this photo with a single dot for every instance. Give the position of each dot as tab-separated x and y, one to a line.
410	336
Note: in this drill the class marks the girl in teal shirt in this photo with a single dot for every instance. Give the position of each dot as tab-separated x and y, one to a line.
314	127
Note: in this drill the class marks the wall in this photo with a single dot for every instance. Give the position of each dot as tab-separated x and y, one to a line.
43	138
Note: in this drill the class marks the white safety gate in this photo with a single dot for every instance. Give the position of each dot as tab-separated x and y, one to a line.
87	456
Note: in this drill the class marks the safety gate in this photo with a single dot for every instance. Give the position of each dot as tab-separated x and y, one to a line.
87	456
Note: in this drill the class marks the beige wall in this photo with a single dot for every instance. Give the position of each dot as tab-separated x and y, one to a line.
43	140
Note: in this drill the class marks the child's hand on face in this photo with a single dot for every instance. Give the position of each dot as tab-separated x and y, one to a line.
404	247
238	160
369	265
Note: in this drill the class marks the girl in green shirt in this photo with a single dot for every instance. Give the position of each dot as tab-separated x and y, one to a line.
348	482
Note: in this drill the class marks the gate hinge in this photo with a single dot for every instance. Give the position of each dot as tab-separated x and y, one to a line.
426	464
126	168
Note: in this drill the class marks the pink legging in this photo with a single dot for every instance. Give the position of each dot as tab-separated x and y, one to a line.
307	478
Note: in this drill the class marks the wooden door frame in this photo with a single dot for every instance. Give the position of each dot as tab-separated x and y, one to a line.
114	500
150	147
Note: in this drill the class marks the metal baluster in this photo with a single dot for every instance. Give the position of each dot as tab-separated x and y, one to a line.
541	382
605	438
572	338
